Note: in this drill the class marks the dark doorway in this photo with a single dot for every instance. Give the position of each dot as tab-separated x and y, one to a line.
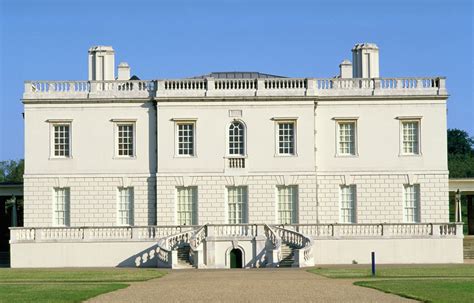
470	215
236	258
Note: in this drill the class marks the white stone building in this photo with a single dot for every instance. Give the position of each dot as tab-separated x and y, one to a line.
235	169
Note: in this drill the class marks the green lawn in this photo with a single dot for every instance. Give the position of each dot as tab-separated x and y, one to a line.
427	290
427	283
66	285
405	271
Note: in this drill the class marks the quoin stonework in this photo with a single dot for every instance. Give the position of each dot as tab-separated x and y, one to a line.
235	169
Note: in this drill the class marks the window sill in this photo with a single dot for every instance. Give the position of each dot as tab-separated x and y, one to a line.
410	155
184	156
60	158
285	155
124	158
346	156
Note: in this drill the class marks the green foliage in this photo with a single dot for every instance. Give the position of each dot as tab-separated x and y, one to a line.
460	154
459	142
12	171
427	290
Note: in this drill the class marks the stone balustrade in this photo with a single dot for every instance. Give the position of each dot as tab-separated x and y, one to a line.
176	234
210	87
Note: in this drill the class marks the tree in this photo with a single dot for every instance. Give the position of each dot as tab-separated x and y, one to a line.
12	171
460	154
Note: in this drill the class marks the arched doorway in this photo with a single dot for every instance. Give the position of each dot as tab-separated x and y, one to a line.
235	258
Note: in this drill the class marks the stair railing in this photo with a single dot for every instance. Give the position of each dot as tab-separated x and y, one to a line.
274	251
304	245
166	246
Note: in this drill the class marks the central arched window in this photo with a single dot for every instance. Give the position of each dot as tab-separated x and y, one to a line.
237	138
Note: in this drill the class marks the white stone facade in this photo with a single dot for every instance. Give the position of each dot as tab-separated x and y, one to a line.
366	151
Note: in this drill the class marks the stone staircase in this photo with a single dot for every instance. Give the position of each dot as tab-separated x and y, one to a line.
468	247
287	255
183	257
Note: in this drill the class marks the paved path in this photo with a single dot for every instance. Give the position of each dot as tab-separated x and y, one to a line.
258	285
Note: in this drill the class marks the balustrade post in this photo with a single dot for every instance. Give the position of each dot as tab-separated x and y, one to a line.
459	230
376	85
335	230
435	230
311	87
386	232
210	86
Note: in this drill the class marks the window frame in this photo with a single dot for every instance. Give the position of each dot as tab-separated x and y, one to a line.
194	205
352	208
131	206
404	120
53	123
244	139
121	122
244	205
278	122
417	204
294	204
348	120
178	122
67	207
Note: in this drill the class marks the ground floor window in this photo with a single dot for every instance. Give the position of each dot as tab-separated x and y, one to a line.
237	204
287	204
61	206
187	205
411	203
347	201
125	206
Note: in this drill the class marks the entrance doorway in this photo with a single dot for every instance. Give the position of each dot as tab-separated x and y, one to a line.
236	258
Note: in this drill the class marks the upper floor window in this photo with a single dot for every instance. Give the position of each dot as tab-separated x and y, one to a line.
411	197
61	206
125	206
187	205
61	145
237	138
126	139
410	137
185	138
346	138
286	137
347	198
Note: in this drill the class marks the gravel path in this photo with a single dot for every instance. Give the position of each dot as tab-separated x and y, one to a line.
258	285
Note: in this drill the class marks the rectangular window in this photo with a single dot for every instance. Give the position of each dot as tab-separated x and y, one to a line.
346	138
125	206
237	204
411	203
62	140
287	204
61	206
347	198
286	138
410	138
125	140
185	139
187	205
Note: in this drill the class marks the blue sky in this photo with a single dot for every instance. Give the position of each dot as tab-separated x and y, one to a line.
48	40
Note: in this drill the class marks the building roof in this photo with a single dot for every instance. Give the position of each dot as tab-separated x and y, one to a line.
236	75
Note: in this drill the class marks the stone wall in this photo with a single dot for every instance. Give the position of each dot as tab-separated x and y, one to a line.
93	199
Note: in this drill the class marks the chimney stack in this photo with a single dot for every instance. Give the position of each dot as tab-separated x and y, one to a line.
365	57
101	63
123	71
345	69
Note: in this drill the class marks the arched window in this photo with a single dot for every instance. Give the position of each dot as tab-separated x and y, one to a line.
237	139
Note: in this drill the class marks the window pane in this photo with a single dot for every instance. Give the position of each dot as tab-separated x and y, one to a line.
286	138
125	206
410	137
61	140
346	138
287	204
187	205
236	139
125	140
61	207
237	204
412	203
347	203
186	139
